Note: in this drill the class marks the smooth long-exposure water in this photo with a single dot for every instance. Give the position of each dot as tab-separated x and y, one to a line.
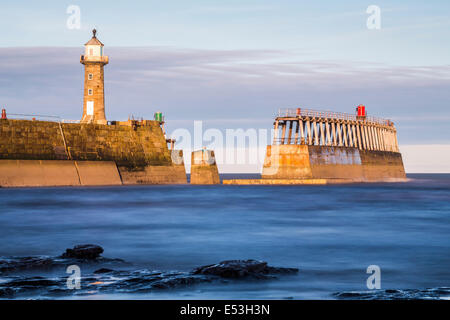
331	233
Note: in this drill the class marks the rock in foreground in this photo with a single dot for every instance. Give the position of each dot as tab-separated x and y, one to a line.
105	280
84	251
24	263
241	269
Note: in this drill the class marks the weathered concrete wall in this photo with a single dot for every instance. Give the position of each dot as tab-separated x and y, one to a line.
323	162
382	163
204	168
139	151
173	174
49	173
154	175
97	173
335	162
287	162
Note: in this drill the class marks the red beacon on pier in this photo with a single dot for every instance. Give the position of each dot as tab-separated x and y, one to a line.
361	112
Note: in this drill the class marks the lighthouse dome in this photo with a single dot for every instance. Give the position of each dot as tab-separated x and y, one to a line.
94	48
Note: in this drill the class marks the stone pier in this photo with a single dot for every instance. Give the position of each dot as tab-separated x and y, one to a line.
45	153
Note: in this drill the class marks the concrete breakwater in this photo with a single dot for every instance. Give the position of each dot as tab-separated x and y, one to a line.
317	147
330	145
43	153
323	162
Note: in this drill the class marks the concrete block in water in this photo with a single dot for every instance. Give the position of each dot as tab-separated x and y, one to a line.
204	168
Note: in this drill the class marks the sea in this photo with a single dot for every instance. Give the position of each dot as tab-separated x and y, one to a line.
334	234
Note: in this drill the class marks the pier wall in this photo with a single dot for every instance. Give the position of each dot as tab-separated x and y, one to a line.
163	174
139	152
335	162
323	162
377	164
53	173
287	162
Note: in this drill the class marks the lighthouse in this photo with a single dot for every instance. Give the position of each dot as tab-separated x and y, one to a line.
94	92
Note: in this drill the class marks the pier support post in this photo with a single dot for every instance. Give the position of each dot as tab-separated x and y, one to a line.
275	133
297	124
308	128
283	132
349	131
344	132
377	137
366	136
361	136
355	139
316	133
290	132
322	134
302	133
367	131
327	124
338	127
388	143
389	139
333	130
383	142
372	138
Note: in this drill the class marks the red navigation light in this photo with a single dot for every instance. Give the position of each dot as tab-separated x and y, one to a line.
361	111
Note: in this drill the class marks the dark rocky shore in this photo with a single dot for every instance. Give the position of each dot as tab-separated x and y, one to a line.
17	282
395	294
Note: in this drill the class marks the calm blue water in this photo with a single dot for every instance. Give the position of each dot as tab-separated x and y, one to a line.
331	233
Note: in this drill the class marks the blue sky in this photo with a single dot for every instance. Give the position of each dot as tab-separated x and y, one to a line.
413	32
232	64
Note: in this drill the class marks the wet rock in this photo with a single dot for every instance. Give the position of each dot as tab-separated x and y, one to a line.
179	281
107	280
6	292
241	269
87	253
32	282
84	251
25	263
103	270
395	294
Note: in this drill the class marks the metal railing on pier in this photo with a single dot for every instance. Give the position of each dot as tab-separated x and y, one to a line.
39	117
300	112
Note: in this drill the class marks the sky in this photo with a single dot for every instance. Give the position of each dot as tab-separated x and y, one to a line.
232	64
